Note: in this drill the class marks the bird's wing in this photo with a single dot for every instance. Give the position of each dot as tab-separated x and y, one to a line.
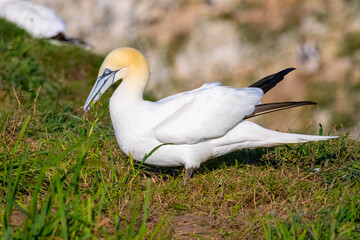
191	92
211	113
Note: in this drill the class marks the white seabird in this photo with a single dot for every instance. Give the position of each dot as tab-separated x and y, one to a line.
201	124
38	20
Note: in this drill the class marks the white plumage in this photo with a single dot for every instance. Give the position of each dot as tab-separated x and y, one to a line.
194	120
38	20
199	125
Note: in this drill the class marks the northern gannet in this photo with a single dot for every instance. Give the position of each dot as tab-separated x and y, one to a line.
38	20
200	124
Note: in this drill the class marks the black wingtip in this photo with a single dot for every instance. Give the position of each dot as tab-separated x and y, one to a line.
287	70
309	103
271	81
261	109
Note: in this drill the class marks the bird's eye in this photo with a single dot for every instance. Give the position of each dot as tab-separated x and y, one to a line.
107	71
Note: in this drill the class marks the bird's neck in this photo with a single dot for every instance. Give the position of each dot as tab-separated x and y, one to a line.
130	90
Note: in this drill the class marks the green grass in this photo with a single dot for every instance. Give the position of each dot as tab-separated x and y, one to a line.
63	176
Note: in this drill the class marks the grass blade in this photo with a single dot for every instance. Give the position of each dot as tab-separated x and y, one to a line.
158	227
61	208
4	121
21	134
12	189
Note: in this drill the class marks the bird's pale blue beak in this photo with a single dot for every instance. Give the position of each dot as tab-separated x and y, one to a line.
101	85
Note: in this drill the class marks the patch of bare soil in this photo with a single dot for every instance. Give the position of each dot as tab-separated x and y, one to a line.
17	219
193	226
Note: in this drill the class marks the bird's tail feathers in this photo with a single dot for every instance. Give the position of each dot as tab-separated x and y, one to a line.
287	138
250	135
273	138
279	138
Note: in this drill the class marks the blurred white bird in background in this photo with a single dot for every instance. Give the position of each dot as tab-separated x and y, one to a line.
38	20
201	124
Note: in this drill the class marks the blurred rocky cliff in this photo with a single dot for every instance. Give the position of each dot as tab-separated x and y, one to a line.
189	42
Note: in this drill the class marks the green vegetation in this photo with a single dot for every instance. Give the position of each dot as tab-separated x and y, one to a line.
63	176
351	44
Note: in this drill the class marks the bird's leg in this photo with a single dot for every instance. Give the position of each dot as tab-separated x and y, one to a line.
188	173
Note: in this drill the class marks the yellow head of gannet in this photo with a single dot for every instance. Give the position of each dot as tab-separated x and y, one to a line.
127	64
